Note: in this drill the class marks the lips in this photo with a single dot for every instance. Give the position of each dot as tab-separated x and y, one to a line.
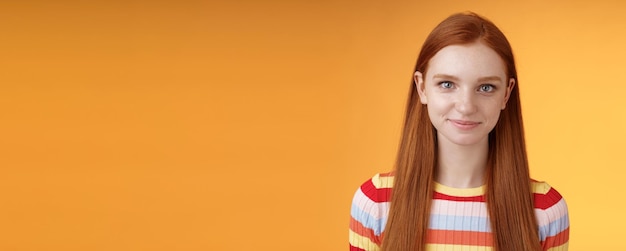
464	124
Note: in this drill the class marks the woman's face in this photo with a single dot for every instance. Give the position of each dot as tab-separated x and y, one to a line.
465	88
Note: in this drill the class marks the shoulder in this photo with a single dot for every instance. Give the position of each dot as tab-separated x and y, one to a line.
376	190
545	196
370	207
552	215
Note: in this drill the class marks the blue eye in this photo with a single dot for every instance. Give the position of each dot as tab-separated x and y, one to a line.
486	88
446	84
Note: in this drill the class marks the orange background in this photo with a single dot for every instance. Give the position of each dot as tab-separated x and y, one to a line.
248	125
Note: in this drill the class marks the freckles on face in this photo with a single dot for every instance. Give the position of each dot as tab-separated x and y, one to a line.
466	87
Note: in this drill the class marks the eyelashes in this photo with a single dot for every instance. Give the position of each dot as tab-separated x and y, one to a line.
487	88
446	84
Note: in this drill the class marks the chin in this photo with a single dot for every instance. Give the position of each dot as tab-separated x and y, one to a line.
466	140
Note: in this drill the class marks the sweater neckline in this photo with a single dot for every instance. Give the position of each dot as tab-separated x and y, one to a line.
460	192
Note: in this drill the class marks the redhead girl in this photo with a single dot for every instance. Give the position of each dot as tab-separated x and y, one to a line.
461	178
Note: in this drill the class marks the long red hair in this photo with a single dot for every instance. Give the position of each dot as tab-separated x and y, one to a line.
508	189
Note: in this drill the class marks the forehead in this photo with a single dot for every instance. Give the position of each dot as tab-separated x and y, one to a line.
473	60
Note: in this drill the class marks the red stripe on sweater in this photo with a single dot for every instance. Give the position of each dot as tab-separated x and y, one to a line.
557	240
436	236
376	194
545	201
440	196
358	228
542	201
353	248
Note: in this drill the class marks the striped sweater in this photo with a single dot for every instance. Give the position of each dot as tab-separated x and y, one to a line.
459	218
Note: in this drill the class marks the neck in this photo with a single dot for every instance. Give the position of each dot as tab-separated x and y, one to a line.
461	166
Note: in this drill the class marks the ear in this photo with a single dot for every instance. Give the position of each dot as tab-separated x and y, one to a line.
419	85
507	95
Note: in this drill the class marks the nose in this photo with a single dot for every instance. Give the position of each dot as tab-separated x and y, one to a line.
465	103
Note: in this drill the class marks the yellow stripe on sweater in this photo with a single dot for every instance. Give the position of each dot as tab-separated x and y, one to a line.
382	182
452	247
362	242
559	248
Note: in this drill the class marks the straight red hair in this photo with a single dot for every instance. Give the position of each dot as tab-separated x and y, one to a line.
508	189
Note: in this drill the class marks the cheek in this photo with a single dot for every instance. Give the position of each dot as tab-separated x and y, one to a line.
436	108
492	112
439	103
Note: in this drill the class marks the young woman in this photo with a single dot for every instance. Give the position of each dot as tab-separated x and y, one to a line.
461	178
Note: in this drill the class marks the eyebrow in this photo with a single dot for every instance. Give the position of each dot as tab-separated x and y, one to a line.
482	79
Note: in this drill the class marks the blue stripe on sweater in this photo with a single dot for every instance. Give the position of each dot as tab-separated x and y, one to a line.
554	228
459	223
377	225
